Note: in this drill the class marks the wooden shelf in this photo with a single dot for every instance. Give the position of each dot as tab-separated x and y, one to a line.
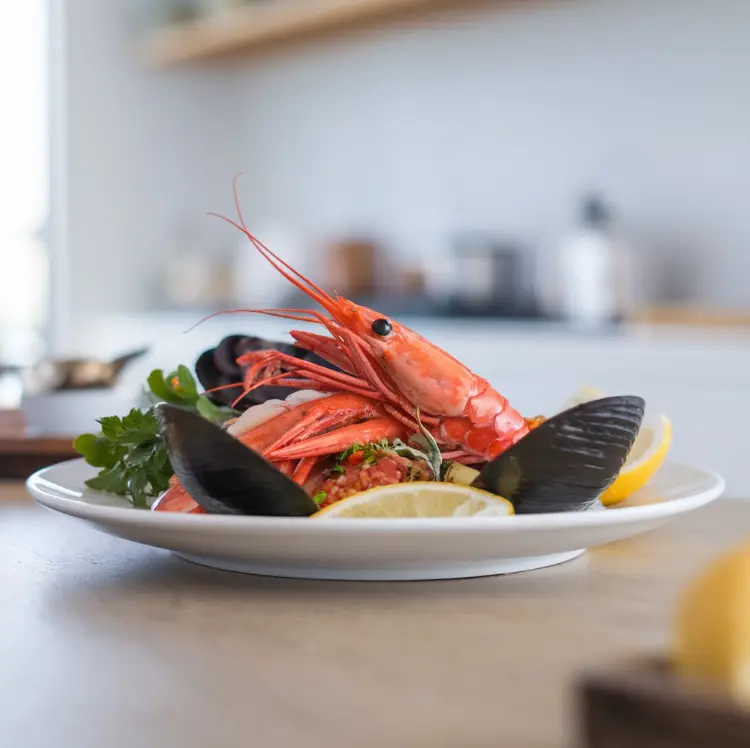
250	27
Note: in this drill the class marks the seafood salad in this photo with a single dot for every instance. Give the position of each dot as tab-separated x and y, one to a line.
364	413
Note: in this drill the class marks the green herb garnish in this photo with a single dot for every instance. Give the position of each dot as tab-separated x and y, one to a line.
371	453
430	451
349	451
132	456
179	388
320	497
130	450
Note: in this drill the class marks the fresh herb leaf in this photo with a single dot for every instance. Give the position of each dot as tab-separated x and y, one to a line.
110	426
160	388
320	497
97	450
429	452
370	452
111	480
138	488
186	382
130	449
132	454
214	413
349	451
340	469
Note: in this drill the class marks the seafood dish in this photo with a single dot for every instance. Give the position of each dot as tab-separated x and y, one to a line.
365	407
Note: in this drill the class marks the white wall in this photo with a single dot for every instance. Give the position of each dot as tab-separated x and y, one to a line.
496	120
142	151
501	120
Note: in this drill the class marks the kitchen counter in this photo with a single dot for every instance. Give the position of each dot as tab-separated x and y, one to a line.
108	643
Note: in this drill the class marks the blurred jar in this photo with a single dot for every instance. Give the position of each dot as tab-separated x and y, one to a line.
488	276
595	270
351	267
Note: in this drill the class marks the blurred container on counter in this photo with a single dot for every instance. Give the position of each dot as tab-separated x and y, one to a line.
594	284
64	397
490	278
351	267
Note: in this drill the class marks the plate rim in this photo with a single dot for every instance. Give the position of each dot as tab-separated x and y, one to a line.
50	495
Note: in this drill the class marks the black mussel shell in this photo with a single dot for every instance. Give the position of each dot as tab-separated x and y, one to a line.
222	474
218	366
568	461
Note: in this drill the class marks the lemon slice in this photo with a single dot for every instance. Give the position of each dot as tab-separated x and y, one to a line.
646	455
418	499
712	628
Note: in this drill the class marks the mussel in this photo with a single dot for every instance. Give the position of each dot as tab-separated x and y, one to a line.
218	366
568	461
221	474
562	465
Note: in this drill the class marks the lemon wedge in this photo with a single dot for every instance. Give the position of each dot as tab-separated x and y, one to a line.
646	455
418	499
712	628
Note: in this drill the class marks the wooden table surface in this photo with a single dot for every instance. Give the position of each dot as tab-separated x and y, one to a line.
107	643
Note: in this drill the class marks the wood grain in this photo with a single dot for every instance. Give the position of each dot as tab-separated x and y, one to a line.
254	27
105	642
692	316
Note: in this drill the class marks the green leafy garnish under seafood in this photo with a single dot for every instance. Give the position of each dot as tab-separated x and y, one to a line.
131	454
180	388
130	450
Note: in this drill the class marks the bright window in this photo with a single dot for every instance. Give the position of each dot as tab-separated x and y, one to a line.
24	180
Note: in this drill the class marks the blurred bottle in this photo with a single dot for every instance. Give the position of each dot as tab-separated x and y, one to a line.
595	270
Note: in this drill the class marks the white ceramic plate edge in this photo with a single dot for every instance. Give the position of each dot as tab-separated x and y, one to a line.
68	501
375	549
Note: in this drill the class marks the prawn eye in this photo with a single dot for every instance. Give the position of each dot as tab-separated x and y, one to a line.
382	327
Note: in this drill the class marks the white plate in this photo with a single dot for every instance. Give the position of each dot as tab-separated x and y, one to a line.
369	549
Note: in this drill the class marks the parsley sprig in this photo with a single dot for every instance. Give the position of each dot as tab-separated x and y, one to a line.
131	456
130	450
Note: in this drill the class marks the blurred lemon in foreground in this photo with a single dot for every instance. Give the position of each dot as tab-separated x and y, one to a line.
646	455
713	627
419	499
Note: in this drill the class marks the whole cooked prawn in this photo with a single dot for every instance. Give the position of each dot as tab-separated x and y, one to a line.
390	381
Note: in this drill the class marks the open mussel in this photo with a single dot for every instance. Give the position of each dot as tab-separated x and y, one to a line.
217	367
224	476
563	465
568	461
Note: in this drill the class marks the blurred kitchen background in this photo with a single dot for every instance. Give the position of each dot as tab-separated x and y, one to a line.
555	191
